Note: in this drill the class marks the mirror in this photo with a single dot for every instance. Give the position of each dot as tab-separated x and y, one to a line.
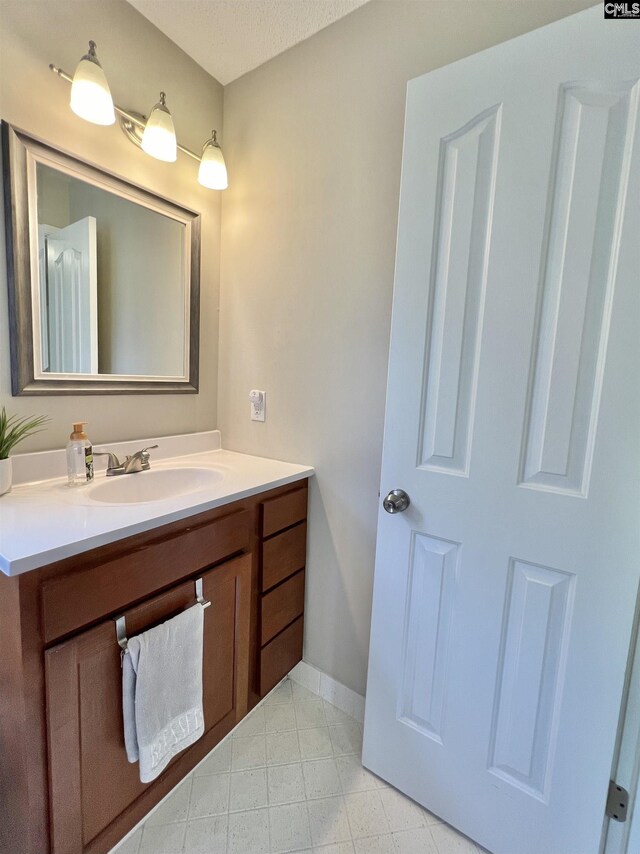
103	278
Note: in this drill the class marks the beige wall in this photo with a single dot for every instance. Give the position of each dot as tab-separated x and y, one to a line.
313	142
139	61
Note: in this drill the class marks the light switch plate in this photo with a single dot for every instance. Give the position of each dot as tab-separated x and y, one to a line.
258	401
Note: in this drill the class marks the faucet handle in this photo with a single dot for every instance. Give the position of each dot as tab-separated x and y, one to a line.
138	461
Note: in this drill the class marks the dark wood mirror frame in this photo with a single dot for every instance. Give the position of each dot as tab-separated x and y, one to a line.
17	148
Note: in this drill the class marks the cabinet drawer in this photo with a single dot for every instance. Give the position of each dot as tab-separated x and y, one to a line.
283	511
283	555
278	657
80	598
281	606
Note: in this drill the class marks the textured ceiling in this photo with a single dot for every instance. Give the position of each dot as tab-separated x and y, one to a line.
230	37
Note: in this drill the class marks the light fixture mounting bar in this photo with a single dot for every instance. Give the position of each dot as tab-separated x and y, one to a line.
130	117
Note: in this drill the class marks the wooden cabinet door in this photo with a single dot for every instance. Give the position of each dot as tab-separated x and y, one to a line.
95	794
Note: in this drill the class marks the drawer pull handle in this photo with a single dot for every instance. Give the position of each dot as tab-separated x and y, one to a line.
121	623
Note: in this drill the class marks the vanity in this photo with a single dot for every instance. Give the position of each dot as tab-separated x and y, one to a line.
65	783
96	266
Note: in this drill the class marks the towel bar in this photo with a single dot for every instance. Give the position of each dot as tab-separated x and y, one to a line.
121	633
199	595
121	623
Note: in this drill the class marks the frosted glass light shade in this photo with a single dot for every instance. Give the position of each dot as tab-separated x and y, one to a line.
213	171
90	94
159	137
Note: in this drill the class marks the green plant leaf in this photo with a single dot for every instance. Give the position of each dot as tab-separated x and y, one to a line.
13	430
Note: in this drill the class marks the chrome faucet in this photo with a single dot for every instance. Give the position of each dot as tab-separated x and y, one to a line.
132	464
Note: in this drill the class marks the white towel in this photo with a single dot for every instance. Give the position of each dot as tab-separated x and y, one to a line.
162	691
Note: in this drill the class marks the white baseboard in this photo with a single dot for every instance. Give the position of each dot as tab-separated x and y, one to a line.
329	689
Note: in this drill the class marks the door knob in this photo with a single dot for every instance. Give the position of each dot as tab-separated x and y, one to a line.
396	501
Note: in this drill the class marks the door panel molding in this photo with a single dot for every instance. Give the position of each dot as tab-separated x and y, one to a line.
535	637
467	170
429	606
589	178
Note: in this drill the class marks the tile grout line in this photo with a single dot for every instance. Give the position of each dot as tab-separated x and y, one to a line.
304	782
192	778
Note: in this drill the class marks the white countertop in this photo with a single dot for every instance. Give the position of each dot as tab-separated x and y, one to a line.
46	521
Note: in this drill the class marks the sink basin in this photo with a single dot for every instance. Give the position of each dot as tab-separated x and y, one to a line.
153	485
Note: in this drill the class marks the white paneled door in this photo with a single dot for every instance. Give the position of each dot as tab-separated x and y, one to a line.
69	298
504	595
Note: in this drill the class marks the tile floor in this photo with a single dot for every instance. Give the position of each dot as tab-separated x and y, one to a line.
289	778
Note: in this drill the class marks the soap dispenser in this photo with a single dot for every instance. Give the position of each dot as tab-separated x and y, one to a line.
79	456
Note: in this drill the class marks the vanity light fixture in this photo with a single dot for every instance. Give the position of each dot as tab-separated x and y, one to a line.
213	170
159	137
91	100
90	94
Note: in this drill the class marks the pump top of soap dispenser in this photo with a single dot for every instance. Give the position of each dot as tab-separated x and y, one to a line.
78	431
